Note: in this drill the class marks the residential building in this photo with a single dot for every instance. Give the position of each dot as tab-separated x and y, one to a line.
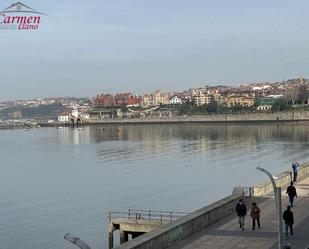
64	117
202	99
134	100
104	100
124	99
102	113
155	99
75	113
148	100
120	99
175	100
219	99
243	101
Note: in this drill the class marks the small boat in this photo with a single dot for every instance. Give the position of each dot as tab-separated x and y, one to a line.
26	129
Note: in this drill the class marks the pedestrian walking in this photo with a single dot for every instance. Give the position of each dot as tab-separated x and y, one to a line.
241	211
255	215
291	191
295	166
288	218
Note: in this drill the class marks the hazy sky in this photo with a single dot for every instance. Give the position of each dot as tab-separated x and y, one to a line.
94	46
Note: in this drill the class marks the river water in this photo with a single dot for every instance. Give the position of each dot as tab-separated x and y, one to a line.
55	181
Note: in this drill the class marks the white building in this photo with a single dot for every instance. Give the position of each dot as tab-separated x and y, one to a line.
175	100
74	113
64	117
264	107
260	88
202	99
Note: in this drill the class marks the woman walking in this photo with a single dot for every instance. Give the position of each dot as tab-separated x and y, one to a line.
255	215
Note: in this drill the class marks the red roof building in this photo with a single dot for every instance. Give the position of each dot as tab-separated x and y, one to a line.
124	99
104	100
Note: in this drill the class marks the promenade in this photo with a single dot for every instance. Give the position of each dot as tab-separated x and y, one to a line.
226	234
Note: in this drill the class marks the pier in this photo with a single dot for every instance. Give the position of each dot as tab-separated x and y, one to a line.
135	222
215	226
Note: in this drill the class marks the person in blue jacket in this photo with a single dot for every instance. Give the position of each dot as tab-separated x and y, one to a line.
295	166
241	211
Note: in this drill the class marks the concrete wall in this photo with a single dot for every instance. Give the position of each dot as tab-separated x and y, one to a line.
170	233
254	117
283	181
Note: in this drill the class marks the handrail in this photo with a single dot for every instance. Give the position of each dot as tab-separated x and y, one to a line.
139	214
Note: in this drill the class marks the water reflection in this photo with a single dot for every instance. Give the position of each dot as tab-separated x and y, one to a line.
188	139
74	135
146	141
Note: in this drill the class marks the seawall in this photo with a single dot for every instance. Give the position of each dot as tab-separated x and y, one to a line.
283	180
219	118
167	235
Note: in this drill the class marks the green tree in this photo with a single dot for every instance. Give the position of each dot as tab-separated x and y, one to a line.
280	105
212	107
186	108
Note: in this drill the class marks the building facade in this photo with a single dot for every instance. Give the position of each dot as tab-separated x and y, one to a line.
202	99
155	99
104	100
125	99
243	101
63	117
175	100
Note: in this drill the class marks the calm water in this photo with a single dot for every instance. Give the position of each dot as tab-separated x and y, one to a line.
55	181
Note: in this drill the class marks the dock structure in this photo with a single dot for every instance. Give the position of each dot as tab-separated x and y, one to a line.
215	226
137	222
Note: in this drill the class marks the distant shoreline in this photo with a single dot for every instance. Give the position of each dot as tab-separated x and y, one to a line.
254	118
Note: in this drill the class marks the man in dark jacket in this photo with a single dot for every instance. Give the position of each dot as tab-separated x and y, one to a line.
288	218
291	191
241	211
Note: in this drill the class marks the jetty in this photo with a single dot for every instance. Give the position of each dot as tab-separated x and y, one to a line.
136	222
215	226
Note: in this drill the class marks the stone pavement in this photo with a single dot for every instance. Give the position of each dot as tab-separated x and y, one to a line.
227	235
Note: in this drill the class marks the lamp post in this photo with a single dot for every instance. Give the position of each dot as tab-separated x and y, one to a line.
76	241
277	193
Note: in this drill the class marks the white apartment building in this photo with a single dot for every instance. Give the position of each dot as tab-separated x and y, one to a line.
202	99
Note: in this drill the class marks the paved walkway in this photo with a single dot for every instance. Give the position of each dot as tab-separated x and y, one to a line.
227	235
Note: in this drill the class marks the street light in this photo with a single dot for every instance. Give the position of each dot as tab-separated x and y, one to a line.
277	193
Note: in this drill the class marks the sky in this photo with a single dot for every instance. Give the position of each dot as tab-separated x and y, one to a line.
84	48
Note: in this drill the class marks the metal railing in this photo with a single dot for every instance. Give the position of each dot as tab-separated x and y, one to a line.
150	215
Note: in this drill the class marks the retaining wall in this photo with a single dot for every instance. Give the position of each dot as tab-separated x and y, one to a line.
167	235
253	117
283	180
